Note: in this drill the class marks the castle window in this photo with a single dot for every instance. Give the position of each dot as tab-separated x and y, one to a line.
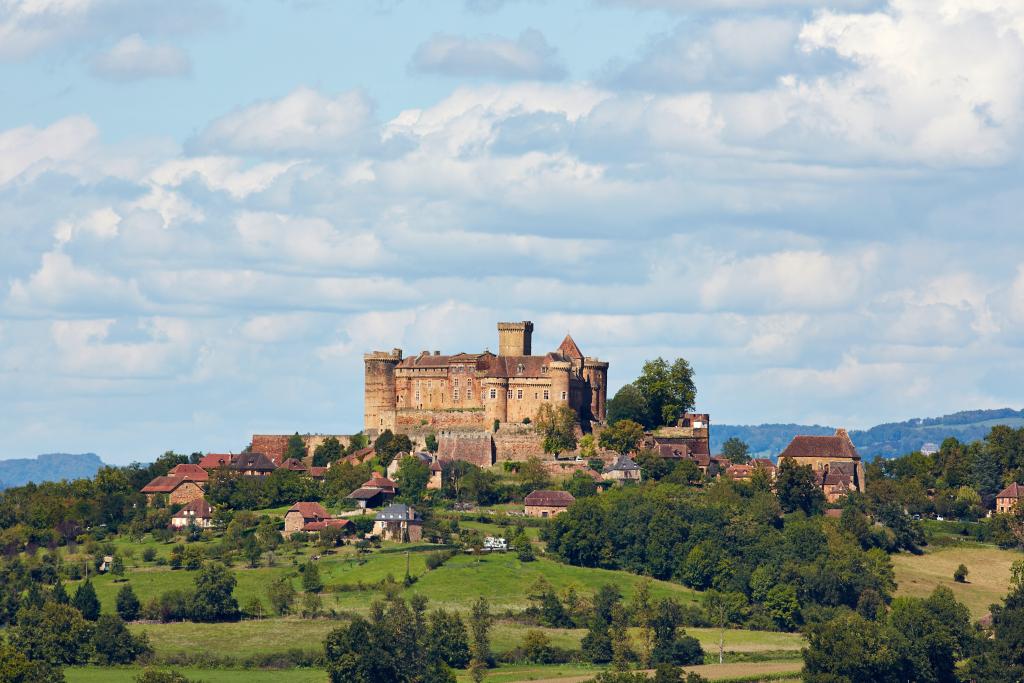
456	381
417	395
535	396
455	394
546	395
519	394
563	395
469	392
494	394
510	393
519	369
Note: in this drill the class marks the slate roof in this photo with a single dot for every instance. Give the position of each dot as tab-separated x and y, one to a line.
309	510
363	493
294	465
1014	490
397	512
624	464
552	499
196	509
253	461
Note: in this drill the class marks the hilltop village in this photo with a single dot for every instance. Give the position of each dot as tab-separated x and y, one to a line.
491	411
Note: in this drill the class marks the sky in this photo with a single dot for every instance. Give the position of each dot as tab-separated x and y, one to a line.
210	210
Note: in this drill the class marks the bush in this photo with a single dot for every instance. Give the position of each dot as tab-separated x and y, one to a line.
435	560
149	554
127	603
154	676
960	575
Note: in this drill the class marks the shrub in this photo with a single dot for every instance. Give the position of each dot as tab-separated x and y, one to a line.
960	575
127	603
149	554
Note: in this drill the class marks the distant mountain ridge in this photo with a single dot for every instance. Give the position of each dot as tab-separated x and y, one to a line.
48	467
888	440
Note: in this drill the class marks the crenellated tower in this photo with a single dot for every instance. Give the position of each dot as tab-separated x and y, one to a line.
515	339
595	372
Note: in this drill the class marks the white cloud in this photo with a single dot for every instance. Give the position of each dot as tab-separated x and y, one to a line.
529	57
33	149
102	223
727	5
305	242
302	122
61	285
133	59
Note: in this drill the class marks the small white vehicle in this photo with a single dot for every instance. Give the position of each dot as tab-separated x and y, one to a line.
491	543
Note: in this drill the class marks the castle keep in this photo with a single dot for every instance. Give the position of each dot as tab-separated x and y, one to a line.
472	390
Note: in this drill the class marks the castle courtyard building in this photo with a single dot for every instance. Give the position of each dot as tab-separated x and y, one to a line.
473	390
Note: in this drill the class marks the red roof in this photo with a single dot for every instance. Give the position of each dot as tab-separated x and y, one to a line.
739	471
317	472
836	446
324	523
293	465
309	510
380	482
1014	490
554	499
763	462
164	484
569	349
194	472
212	461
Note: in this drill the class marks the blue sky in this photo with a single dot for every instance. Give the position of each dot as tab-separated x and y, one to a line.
211	210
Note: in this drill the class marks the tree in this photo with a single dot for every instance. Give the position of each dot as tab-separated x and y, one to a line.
413	476
448	639
597	643
214	598
311	582
622	437
523	546
736	450
628	403
295	448
670	645
797	488
127	603
533	475
59	593
86	602
114	643
653	467
117	566
15	667
588	447
537	647
281	594
430	442
723	609
668	390
558	427
329	451
960	575
1002	658
55	634
388	445
480	644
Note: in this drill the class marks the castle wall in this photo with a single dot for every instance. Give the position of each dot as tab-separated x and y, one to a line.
472	447
274	445
411	422
516	445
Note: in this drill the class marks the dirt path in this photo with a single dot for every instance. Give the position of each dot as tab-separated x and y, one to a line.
710	671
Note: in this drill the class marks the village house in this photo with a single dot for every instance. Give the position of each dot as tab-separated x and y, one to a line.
739	472
294	465
193	472
215	461
1007	499
544	503
196	513
303	513
834	459
252	465
178	490
435	483
396	462
623	470
766	464
398	522
374	492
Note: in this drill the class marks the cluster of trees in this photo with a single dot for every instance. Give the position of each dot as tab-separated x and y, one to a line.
659	396
401	641
779	570
964	477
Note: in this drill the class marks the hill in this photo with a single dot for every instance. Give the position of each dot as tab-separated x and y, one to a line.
48	467
888	440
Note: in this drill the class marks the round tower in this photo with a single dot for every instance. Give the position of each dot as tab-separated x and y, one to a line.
380	398
495	408
596	374
559	371
515	339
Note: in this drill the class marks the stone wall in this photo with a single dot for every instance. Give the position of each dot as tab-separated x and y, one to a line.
185	493
412	421
274	445
515	444
473	447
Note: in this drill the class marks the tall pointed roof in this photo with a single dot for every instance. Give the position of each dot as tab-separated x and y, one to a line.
569	349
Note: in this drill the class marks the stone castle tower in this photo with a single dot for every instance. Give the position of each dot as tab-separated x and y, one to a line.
475	390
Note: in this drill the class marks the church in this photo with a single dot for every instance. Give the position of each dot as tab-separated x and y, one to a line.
481	390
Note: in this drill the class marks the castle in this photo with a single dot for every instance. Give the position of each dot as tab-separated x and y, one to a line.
479	390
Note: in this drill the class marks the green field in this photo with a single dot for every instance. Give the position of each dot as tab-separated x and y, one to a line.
109	674
988	578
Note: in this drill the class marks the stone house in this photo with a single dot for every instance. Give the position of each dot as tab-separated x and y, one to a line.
739	472
193	472
544	503
398	522
623	470
301	514
196	513
833	455
179	490
1007	499
215	461
294	465
435	483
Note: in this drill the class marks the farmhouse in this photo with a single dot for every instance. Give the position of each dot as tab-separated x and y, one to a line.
1007	499
196	513
547	503
834	459
398	522
374	492
178	490
623	470
252	465
301	514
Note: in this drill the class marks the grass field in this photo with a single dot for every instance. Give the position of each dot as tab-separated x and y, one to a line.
988	576
106	674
